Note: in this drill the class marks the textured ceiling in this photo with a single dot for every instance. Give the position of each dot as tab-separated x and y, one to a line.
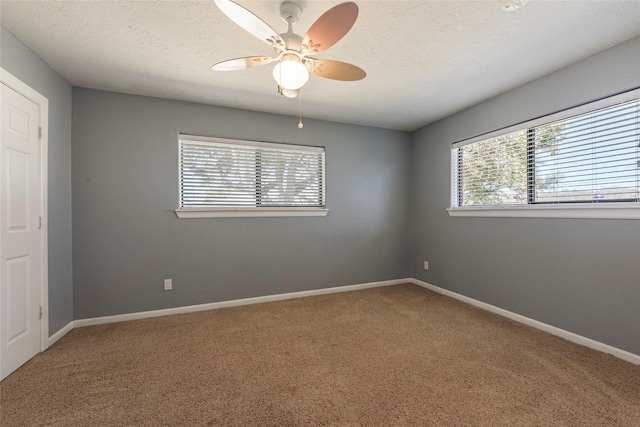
424	59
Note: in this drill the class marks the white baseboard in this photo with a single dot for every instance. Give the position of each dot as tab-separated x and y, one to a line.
569	336
233	303
62	332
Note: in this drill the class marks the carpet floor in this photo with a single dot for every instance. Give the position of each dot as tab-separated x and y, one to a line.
390	356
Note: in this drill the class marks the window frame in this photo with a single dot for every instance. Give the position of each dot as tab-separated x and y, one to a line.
253	211
611	209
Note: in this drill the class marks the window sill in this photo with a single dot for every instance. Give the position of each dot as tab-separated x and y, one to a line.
593	211
249	212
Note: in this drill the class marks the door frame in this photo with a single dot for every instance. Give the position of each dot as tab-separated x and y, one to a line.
43	116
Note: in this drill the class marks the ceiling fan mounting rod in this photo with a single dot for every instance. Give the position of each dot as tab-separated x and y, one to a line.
290	13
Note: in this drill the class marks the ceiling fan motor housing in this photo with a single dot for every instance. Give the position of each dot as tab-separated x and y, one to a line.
292	42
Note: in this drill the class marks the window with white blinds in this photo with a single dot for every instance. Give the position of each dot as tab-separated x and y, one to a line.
587	155
231	174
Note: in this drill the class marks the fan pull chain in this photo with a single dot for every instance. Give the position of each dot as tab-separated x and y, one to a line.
300	125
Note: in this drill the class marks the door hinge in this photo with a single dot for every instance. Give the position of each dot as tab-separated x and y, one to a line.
41	314
40	222
39	132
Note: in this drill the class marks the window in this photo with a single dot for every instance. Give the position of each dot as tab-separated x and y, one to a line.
223	177
587	158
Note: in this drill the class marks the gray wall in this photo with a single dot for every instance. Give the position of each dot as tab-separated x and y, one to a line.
579	275
20	61
127	238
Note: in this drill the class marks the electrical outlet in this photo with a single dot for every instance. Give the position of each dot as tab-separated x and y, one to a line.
426	265
168	284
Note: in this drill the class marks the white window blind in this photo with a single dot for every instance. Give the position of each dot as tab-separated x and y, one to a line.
221	173
591	157
492	171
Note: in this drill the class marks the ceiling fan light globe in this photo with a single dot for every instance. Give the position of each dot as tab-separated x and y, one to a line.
290	93
290	74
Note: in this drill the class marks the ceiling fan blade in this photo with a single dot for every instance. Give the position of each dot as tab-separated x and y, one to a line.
250	22
243	63
335	70
330	27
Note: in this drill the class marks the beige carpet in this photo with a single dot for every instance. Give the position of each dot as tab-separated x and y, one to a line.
392	356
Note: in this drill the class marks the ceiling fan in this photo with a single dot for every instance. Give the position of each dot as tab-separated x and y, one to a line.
292	50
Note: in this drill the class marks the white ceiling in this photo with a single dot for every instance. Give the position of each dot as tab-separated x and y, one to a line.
424	59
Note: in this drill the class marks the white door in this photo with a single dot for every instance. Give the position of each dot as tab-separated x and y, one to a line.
20	254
